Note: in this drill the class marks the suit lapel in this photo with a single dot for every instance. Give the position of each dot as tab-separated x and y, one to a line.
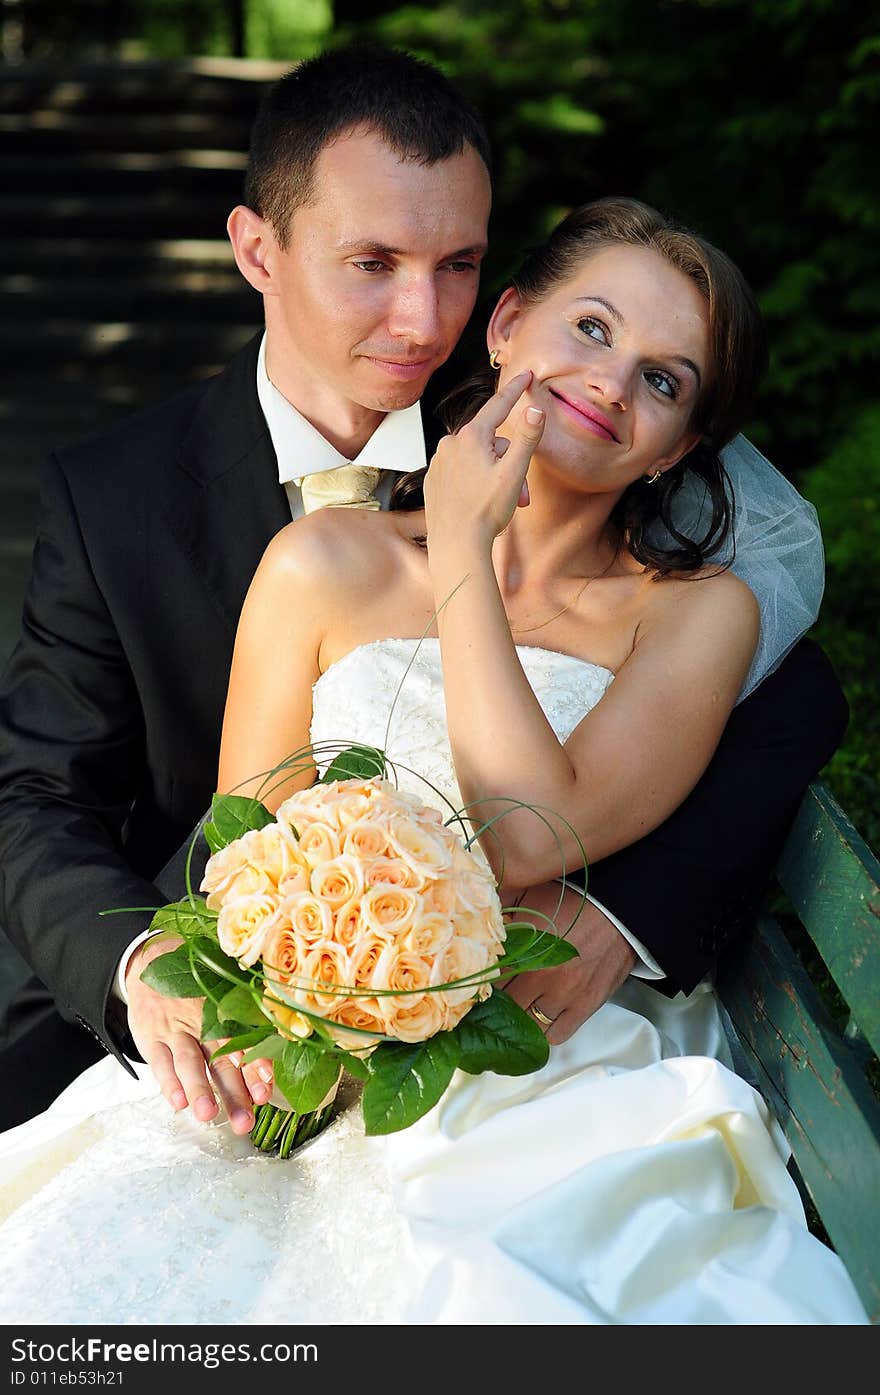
228	503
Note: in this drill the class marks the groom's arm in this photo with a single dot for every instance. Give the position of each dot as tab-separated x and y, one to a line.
71	756
693	885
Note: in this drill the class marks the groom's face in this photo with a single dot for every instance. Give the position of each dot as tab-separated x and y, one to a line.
379	275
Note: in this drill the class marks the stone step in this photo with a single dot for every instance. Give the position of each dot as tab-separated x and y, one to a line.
134	256
49	131
228	86
106	215
194	296
83	347
217	174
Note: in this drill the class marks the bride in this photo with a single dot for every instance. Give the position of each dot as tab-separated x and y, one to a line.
536	628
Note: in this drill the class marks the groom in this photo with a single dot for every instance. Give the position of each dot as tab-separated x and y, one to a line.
366	213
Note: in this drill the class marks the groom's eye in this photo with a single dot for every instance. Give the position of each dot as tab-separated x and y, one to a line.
371	265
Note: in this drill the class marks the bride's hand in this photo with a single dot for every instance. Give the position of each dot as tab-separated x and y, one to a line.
477	478
571	993
167	1032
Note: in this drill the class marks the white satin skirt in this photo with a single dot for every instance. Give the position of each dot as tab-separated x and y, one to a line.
636	1179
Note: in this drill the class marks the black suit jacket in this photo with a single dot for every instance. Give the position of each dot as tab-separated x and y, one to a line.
111	709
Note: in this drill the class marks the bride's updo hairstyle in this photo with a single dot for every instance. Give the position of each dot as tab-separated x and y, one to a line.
644	513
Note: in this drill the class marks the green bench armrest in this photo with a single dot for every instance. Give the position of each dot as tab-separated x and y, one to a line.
806	1068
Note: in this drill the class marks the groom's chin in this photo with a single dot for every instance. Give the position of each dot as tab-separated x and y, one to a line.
388	393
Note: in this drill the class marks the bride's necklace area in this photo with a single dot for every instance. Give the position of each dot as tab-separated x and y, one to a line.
530	629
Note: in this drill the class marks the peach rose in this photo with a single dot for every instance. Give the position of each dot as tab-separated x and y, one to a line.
309	916
460	959
393	871
281	952
440	896
288	1021
365	838
364	955
425	850
296	878
347	925
363	1015
324	964
416	1019
486	928
243	925
338	881
430	934
401	970
389	910
319	842
456	1011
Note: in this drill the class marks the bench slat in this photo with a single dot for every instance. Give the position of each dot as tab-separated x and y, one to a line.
833	881
818	1092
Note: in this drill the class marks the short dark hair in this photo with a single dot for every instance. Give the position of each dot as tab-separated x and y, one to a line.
409	103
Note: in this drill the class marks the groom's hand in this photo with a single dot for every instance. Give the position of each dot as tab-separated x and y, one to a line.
167	1033
571	993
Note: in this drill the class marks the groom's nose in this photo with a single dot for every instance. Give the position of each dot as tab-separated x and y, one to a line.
414	313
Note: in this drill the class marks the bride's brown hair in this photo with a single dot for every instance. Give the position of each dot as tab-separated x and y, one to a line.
739	354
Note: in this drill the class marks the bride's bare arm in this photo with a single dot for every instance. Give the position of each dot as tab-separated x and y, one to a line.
275	663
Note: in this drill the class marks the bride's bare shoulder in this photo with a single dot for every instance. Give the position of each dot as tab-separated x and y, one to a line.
712	598
338	547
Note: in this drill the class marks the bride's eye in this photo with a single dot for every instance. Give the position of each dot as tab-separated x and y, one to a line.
663	382
594	329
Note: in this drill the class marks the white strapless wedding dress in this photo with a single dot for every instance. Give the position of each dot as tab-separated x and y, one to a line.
635	1179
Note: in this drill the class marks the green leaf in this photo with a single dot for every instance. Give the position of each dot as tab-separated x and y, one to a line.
211	1028
238	1005
305	1073
356	763
497	1035
540	949
242	1041
406	1080
185	917
355	1065
271	1048
231	816
215	967
170	974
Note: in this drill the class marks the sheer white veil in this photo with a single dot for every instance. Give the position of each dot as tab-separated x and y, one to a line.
776	547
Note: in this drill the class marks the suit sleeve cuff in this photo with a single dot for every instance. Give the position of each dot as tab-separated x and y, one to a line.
118	990
647	966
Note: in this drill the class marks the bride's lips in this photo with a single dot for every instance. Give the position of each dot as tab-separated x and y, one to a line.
587	416
403	368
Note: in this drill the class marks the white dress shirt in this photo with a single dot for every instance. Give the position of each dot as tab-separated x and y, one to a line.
397	446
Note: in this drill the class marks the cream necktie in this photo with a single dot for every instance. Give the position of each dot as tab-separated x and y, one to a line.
349	486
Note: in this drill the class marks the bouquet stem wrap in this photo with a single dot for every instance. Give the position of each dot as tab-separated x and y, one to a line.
280	1129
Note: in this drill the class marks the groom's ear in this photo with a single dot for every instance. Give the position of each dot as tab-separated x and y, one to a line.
252	241
503	319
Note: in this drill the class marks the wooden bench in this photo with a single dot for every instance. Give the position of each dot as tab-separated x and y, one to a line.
816	1071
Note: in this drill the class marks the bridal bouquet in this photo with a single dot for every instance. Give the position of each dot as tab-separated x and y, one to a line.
356	930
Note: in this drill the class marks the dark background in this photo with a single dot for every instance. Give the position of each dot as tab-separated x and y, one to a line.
123	131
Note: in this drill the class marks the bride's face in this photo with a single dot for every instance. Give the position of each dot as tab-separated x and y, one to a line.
620	353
